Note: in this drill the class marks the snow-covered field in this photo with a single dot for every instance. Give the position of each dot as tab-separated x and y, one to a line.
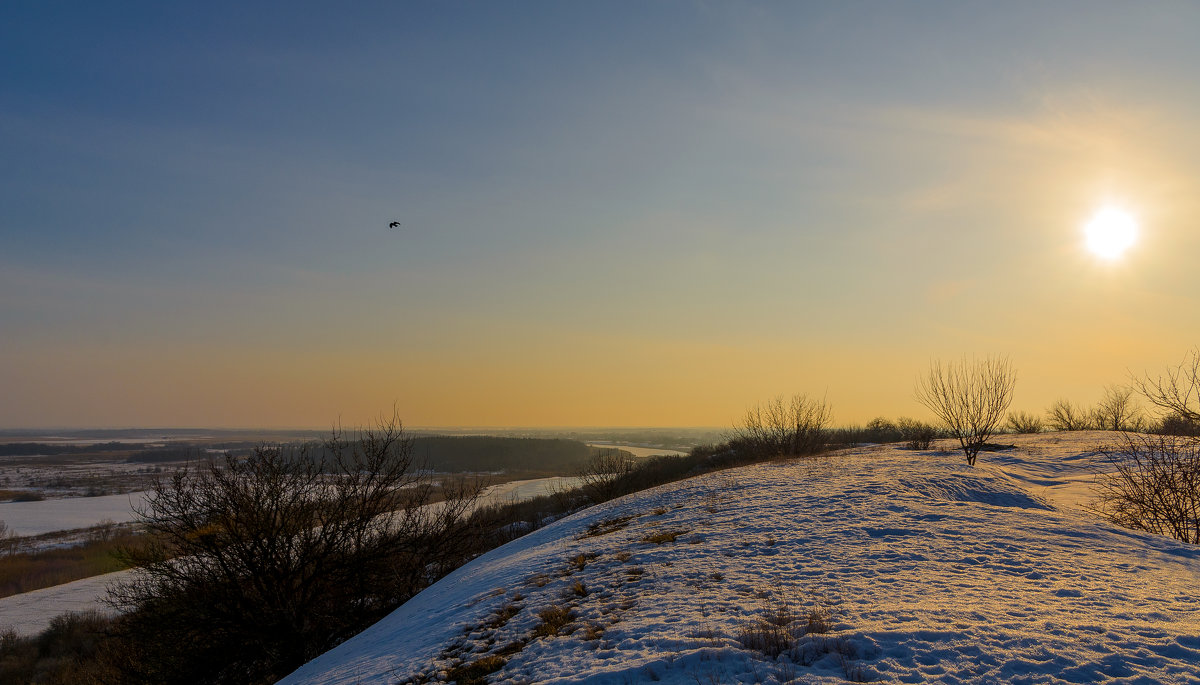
924	569
30	613
48	516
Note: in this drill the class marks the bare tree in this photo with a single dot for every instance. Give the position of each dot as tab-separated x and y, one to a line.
782	427
8	539
1177	393
1152	483
1117	410
1064	416
260	564
970	397
601	475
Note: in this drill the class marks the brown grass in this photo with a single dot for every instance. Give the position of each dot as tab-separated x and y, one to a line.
27	571
554	619
502	616
20	496
663	536
476	672
580	561
607	526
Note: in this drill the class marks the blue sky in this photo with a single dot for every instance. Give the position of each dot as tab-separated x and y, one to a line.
617	213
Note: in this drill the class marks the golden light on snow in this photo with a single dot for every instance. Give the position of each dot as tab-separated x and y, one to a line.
1110	232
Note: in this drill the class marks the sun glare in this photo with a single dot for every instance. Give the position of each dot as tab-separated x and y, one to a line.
1110	232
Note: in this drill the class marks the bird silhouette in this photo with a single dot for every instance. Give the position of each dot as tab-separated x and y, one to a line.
394	224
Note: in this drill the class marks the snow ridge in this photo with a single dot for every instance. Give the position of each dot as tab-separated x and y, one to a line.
926	570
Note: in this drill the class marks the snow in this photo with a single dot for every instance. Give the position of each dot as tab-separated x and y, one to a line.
51	515
929	571
29	613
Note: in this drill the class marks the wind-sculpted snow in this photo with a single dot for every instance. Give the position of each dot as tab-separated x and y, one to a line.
926	570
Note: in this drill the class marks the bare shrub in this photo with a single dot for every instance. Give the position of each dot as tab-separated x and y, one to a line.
8	539
1064	416
1173	424
881	430
1177	392
1117	410
970	397
1024	422
917	435
1152	483
602	474
257	565
780	427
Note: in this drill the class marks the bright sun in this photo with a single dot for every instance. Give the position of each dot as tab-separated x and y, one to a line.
1110	232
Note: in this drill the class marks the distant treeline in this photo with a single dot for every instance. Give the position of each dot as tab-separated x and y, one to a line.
486	453
21	449
452	454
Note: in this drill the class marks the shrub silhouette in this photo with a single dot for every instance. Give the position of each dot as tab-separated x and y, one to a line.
257	565
780	428
1152	483
1024	422
1064	416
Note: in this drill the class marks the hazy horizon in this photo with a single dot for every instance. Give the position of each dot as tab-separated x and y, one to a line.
617	214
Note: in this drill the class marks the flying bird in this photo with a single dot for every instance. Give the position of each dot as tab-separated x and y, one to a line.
394	224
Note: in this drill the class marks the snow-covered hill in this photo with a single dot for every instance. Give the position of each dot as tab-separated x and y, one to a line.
875	563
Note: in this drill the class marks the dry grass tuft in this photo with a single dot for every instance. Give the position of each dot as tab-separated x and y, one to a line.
663	536
580	561
606	526
476	672
502	616
554	619
593	631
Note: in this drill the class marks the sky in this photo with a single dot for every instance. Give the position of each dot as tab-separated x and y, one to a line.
613	214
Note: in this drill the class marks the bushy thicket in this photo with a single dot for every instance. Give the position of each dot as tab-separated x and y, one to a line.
254	566
1024	422
783	427
915	434
77	649
1117	410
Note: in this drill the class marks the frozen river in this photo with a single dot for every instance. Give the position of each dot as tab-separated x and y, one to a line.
640	451
48	516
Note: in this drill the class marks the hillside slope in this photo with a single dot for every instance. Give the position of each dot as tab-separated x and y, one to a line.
923	569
